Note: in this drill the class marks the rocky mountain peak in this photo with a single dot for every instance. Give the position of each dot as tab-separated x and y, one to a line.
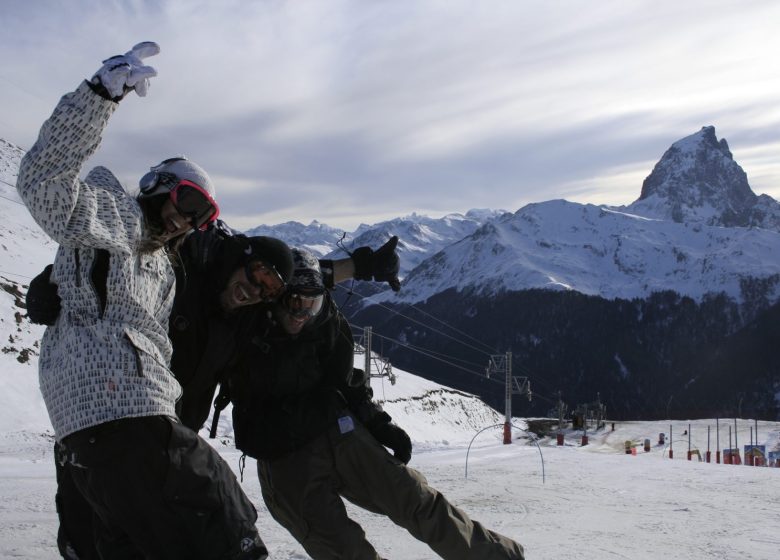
697	180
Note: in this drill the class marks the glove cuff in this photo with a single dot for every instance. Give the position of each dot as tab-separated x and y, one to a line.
98	88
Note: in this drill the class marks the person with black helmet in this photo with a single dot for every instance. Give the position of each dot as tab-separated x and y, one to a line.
156	489
306	415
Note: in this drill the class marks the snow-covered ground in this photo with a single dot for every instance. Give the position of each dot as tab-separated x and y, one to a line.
591	502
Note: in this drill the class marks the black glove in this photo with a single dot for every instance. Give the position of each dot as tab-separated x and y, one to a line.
393	437
381	265
43	303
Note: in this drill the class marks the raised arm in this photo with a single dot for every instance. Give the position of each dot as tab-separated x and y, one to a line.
364	263
78	212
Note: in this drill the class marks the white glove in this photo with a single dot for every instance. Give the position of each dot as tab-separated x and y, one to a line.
122	73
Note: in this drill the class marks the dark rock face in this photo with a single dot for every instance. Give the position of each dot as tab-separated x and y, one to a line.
697	179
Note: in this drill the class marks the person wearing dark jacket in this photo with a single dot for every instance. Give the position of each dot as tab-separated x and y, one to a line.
155	488
209	309
219	277
306	415
214	306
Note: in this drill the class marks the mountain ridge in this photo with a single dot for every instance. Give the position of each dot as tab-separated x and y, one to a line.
698	180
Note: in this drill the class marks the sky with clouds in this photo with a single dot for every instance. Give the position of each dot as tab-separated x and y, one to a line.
350	111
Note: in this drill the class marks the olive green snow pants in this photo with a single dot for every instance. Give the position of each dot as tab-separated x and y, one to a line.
303	492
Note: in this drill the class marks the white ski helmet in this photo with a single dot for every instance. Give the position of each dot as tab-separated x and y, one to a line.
182	168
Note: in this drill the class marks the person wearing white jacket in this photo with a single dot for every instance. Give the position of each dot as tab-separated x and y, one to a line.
156	488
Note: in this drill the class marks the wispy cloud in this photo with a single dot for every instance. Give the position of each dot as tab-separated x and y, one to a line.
349	111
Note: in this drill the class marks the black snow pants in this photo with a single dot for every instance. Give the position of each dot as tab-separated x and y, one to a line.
158	491
75	537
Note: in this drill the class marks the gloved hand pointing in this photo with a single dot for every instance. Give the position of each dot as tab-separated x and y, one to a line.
123	73
381	265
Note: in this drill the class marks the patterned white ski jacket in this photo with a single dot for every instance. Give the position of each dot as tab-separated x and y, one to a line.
97	365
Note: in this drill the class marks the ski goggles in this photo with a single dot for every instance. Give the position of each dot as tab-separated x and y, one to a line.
302	305
195	203
190	199
266	278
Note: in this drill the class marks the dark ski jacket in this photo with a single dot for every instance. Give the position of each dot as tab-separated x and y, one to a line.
286	390
206	338
203	336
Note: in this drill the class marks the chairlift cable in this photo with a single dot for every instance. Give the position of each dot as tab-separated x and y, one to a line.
432	356
536	378
423	324
453	328
466	362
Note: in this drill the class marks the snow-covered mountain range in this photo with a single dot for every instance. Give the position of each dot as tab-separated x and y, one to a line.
419	236
599	251
697	228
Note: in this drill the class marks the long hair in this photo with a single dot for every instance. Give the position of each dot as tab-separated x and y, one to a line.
154	228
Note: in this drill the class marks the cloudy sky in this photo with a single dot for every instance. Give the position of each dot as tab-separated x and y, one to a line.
363	110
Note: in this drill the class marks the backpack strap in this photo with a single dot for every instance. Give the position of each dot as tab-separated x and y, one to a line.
222	400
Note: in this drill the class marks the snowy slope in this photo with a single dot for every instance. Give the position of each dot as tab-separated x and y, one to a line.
420	236
318	238
24	250
23	246
598	251
570	502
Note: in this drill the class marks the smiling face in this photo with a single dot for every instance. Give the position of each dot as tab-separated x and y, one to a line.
295	310
239	291
290	324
